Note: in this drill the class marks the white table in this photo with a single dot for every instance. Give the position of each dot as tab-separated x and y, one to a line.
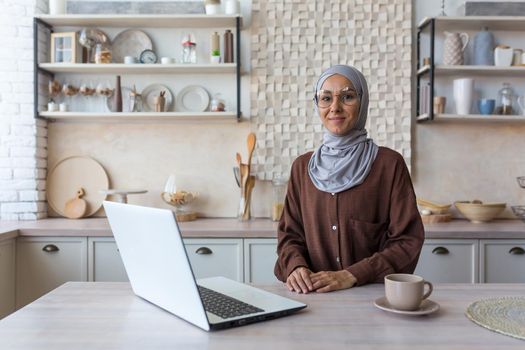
108	316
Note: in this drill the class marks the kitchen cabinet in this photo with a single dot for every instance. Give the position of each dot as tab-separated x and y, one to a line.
502	261
7	277
228	75
260	256
216	257
105	263
435	27
44	263
449	261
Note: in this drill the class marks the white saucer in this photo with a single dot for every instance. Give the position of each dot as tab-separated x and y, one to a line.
426	307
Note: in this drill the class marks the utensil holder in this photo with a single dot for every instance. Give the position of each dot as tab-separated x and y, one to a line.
247	185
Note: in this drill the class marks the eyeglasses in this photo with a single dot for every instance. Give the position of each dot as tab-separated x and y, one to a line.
347	95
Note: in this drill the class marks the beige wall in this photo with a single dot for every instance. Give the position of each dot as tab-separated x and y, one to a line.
469	160
143	155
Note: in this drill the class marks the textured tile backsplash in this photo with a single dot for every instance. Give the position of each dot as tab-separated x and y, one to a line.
292	42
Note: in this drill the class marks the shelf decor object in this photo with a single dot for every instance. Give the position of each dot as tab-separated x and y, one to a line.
65	48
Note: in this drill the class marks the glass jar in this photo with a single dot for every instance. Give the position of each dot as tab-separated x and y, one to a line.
217	104
505	100
278	196
102	54
189	49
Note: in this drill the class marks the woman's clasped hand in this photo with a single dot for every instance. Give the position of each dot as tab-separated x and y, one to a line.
303	280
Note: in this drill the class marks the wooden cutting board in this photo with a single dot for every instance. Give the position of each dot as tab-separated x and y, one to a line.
436	218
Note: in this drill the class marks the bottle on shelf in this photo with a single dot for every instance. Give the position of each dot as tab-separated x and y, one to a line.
228	46
189	49
118	95
215	54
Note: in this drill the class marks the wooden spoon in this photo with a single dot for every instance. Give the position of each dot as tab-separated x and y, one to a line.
76	207
251	146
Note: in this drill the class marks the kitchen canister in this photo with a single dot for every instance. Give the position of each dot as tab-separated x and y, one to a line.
232	7
503	56
455	44
463	93
483	48
228	46
57	7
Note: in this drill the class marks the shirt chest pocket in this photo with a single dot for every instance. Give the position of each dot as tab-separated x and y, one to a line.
365	236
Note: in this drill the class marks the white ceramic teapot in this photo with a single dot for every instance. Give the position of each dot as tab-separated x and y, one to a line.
455	44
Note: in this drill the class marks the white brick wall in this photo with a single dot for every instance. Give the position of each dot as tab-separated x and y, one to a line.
23	139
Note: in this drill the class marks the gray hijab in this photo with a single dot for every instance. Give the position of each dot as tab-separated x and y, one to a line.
343	162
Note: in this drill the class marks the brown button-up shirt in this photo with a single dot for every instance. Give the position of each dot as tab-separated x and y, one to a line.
371	230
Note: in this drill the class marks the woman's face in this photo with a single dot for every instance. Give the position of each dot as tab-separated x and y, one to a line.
338	104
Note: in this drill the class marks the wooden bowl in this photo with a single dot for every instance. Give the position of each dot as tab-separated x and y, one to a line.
435	208
480	212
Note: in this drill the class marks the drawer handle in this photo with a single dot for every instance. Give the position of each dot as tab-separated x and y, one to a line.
440	251
516	251
50	248
204	251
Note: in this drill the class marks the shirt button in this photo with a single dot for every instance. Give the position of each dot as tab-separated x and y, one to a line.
334	227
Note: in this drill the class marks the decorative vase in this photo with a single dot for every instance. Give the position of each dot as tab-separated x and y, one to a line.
463	92
455	44
118	95
483	48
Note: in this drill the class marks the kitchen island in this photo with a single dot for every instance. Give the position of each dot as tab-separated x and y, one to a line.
80	315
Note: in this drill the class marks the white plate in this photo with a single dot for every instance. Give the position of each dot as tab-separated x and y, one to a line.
193	98
129	42
427	307
153	90
110	101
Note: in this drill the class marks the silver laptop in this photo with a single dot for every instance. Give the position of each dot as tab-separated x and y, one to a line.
158	268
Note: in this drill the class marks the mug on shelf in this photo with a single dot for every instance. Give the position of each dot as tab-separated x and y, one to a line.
486	106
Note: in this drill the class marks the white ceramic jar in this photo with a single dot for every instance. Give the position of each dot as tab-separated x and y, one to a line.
232	7
57	7
503	56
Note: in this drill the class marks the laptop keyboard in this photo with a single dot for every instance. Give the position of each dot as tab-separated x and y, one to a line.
223	305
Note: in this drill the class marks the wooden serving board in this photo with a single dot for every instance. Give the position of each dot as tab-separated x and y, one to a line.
435	218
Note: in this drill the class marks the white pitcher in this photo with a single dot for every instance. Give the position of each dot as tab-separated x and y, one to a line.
455	44
521	102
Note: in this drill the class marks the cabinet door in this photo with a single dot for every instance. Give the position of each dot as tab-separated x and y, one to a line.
502	261
7	277
260	256
449	261
105	263
44	263
215	257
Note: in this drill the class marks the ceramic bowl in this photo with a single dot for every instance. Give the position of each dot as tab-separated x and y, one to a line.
478	212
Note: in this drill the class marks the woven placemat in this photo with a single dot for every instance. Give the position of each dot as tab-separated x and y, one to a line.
504	315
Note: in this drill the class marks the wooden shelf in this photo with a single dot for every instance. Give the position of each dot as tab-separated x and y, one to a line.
507	23
144	21
114	68
510	71
153	117
473	117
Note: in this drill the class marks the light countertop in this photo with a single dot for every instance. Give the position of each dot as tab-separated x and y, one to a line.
108	316
255	228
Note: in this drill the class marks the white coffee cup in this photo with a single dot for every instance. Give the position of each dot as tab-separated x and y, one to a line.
130	60
406	291
63	107
166	60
